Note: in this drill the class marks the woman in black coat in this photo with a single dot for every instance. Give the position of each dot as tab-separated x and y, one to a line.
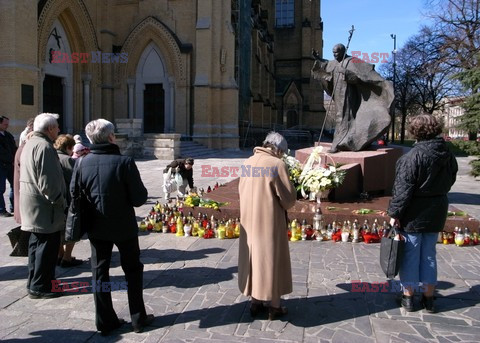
113	187
419	206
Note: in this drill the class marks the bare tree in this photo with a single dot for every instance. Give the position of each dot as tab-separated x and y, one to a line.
405	94
423	77
457	24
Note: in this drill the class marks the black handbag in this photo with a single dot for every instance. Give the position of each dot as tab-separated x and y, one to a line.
76	224
391	253
19	241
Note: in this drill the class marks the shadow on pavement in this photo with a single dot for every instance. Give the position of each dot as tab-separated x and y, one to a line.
59	335
175	255
193	277
147	256
303	312
463	198
13	273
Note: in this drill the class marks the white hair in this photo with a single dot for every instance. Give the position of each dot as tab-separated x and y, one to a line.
98	131
277	141
77	139
44	121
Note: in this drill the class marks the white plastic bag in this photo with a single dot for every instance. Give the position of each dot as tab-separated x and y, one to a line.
169	182
178	179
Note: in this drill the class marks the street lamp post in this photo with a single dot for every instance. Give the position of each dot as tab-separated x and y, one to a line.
394	52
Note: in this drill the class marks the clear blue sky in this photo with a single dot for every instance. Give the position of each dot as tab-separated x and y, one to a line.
374	21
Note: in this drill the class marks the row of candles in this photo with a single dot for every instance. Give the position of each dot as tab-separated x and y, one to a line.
169	218
460	237
336	231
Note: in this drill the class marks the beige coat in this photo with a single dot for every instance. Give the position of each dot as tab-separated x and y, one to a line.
264	270
42	187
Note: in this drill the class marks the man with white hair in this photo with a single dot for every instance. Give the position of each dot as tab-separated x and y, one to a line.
42	204
113	184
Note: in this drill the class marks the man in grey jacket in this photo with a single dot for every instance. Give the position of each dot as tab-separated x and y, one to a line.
42	204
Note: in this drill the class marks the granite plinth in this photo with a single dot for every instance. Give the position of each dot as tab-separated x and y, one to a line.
375	175
332	211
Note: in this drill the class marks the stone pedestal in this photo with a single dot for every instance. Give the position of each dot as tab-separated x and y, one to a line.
130	127
164	146
371	171
331	211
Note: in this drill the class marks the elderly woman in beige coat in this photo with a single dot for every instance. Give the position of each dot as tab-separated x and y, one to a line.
264	270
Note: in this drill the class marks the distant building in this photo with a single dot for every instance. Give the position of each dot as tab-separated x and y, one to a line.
451	112
279	92
205	69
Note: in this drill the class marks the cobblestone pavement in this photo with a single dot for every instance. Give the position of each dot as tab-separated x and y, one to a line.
191	287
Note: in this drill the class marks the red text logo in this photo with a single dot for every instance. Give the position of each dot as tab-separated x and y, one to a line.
374	57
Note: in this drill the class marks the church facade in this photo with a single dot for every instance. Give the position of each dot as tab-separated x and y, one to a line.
174	66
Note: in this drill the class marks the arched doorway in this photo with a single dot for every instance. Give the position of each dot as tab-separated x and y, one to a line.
154	92
57	73
292	118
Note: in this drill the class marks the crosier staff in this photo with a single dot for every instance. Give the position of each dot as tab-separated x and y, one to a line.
316	56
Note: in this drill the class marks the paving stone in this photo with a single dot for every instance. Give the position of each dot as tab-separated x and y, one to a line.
412	338
384	325
191	287
443	320
474	338
456	329
423	331
342	336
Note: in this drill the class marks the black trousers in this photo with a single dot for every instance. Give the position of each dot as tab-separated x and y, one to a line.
42	260
105	316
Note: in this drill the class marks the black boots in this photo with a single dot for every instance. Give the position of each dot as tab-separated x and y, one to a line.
427	303
407	302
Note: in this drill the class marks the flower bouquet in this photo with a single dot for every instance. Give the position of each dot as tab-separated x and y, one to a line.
294	169
317	177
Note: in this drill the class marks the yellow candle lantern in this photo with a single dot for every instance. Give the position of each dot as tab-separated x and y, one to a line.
179	227
158	226
195	228
142	227
230	229
293	230
237	228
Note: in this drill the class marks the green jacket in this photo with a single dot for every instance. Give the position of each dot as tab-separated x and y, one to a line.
42	187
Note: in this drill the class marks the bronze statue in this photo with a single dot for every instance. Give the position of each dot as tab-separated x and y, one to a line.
362	98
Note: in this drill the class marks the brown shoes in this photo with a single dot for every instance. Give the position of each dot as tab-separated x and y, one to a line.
427	303
276	312
257	308
146	322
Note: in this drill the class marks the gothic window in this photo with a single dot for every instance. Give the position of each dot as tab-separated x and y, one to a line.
284	13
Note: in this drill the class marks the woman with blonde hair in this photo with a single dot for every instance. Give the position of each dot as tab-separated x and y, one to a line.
64	145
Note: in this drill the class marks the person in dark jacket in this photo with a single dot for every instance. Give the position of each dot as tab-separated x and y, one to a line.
184	168
113	187
419	206
8	149
64	145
